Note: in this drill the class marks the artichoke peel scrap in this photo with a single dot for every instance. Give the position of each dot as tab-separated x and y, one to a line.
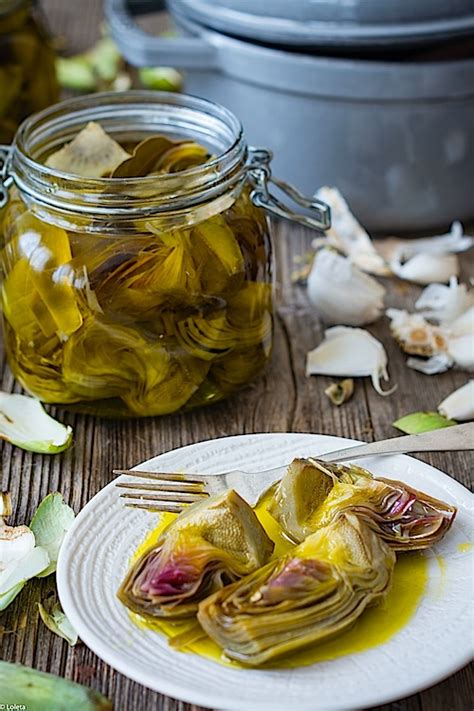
24	423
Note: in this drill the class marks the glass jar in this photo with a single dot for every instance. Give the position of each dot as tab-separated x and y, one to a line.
27	71
138	296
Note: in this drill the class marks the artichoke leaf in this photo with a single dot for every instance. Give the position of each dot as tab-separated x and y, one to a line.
56	621
22	686
209	545
50	523
316	591
417	422
24	423
145	158
185	155
91	154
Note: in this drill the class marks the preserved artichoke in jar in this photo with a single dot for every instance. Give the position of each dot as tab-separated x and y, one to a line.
163	314
136	253
27	70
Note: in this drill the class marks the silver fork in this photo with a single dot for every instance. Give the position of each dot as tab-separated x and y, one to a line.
173	491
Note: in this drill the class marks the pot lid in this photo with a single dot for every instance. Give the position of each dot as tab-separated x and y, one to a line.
335	23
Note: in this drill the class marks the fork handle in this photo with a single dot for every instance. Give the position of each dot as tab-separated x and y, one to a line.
458	437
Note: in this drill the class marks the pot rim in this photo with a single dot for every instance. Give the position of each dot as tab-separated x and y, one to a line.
335	77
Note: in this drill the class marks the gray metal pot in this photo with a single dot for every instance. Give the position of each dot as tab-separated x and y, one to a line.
396	138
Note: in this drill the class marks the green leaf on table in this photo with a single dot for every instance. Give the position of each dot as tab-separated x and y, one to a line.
418	422
25	423
56	621
52	519
37	691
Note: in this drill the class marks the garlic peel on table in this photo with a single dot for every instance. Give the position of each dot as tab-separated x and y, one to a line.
421	261
351	353
448	342
428	259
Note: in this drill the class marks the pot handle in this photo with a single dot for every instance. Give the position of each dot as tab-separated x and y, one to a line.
143	50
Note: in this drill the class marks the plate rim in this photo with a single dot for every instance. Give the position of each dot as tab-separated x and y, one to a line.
208	699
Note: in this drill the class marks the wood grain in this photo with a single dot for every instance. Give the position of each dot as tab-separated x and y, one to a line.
282	400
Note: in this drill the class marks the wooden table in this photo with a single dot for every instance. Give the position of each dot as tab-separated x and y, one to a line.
283	400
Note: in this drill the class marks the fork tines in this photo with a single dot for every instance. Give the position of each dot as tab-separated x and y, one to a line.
162	491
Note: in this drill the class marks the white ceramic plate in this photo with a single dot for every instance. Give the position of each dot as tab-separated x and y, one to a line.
437	641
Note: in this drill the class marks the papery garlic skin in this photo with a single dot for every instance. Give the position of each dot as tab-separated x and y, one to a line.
348	235
459	405
448	344
351	353
454	241
341	292
443	303
415	335
427	268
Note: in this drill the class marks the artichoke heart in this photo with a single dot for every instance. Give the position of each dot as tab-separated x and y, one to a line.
314	592
313	493
213	543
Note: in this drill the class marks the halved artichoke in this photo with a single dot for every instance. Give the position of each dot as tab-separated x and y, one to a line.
313	493
314	592
211	544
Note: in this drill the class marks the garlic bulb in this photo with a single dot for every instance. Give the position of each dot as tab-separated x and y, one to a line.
460	404
341	293
350	353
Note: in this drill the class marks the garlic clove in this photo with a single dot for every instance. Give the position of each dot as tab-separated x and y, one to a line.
348	235
427	268
443	303
341	292
394	249
349	352
459	405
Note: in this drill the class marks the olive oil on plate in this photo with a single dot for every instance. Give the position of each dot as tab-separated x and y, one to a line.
376	626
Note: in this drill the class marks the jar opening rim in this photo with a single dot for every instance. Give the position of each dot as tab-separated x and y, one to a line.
72	106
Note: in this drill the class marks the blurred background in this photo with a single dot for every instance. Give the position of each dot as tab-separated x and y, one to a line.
377	100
